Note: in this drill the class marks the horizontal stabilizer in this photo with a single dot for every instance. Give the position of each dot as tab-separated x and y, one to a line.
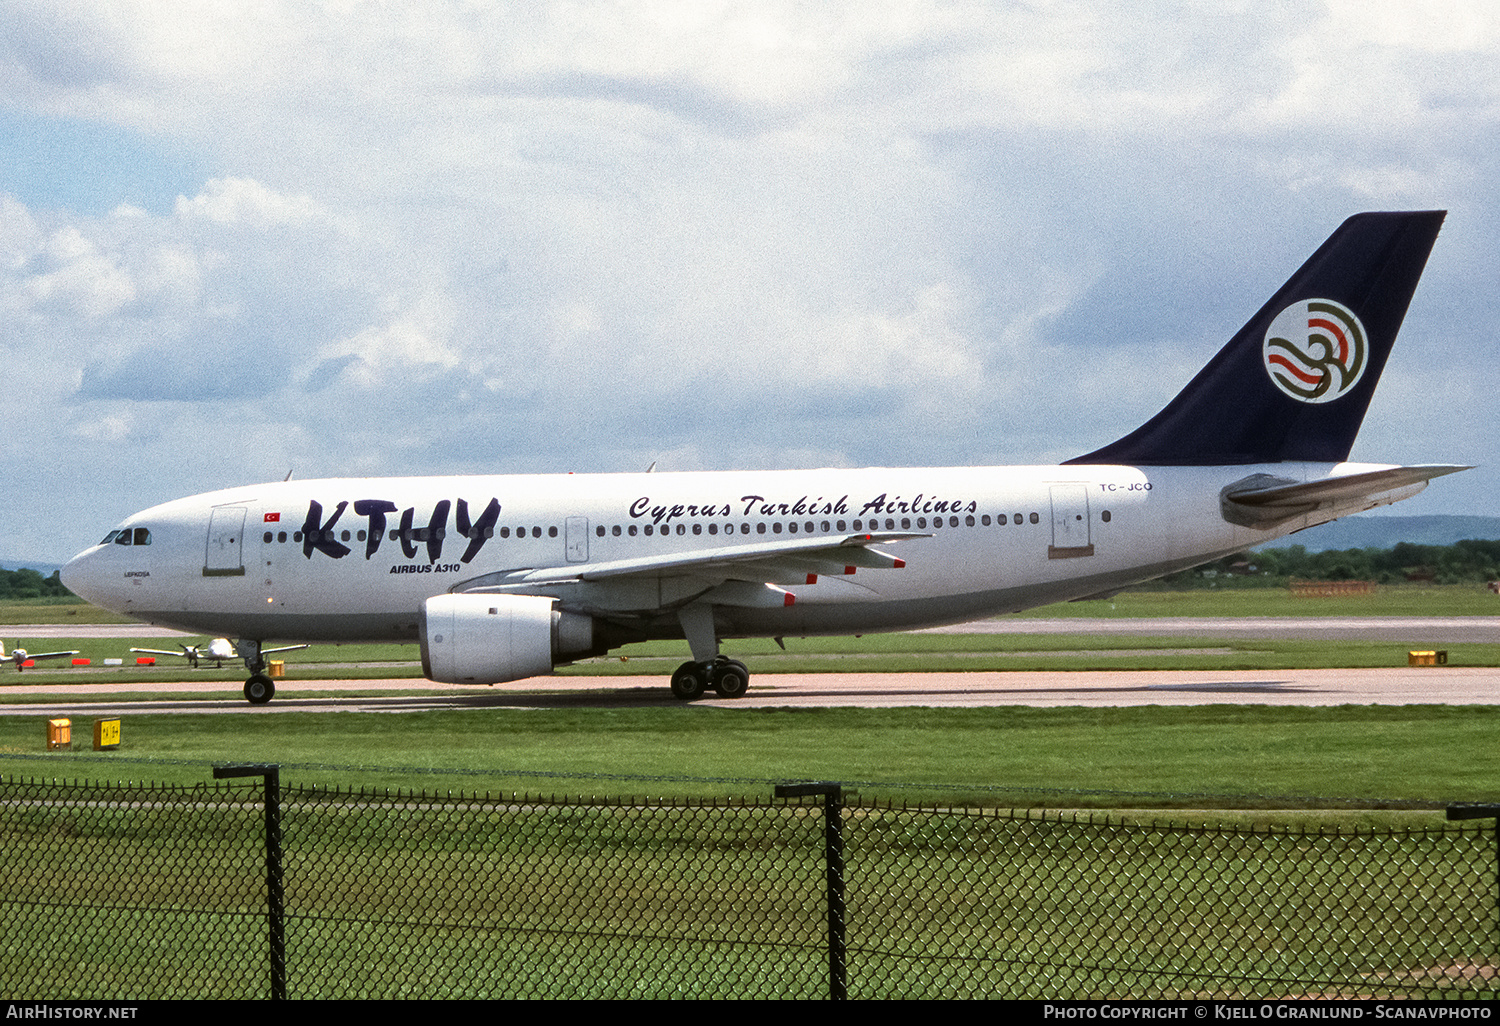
1263	501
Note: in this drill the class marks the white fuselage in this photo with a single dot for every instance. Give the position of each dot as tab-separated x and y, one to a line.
239	562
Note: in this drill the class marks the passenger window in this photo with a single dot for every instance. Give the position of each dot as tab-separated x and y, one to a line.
1104	516
1035	519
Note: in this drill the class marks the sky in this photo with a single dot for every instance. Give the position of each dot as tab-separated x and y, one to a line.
239	241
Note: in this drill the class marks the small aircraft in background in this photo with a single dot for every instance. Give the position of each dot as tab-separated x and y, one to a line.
219	650
20	656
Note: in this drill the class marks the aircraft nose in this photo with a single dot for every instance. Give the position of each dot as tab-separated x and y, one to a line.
80	575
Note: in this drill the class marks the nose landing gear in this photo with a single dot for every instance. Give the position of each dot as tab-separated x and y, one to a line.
259	689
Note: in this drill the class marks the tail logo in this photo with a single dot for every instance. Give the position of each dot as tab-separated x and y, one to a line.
1315	350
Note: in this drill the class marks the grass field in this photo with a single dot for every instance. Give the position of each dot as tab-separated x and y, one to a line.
1145	756
402	897
1236	918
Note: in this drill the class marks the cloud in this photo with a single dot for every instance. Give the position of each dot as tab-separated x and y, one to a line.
247	203
586	236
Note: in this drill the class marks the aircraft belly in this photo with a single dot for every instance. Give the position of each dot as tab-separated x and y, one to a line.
327	626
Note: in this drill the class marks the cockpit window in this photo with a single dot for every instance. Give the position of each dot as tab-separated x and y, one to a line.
128	536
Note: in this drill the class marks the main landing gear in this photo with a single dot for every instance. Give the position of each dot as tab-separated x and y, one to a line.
260	688
729	677
708	669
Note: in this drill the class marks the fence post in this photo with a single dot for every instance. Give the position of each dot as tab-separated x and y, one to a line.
275	926
833	849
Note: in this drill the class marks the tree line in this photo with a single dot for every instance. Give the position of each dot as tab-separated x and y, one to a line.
30	584
1474	561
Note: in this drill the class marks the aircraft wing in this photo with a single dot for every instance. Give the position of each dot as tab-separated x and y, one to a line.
1265	501
207	653
729	575
20	657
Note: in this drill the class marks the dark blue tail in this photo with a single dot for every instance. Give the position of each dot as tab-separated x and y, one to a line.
1295	382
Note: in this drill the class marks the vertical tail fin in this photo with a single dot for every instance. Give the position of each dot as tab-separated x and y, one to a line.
1294	382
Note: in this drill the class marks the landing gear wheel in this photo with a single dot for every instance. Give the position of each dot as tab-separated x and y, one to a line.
259	689
731	679
689	681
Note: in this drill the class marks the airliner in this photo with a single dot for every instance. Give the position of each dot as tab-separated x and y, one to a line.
502	578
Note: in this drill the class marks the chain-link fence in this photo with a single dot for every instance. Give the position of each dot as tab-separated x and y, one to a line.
162	892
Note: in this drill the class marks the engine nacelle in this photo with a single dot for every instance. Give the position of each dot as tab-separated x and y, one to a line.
490	639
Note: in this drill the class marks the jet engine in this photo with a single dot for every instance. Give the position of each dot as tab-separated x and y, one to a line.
490	639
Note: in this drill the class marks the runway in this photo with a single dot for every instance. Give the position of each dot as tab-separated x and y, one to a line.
1393	686
1084	689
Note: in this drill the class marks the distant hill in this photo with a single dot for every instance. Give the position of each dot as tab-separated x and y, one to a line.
1369	532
